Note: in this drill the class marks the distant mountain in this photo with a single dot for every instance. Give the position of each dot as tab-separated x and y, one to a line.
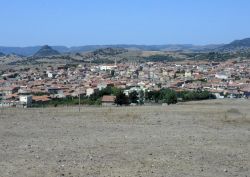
169	47
237	45
109	51
234	46
46	51
2	54
29	51
104	55
26	51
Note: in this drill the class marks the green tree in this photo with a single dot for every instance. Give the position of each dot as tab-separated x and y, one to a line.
134	97
141	97
153	96
195	95
121	99
115	91
170	97
112	72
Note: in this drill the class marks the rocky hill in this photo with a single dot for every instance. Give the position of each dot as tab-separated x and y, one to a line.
237	45
105	55
110	51
46	51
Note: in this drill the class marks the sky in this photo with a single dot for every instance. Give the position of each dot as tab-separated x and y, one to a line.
91	22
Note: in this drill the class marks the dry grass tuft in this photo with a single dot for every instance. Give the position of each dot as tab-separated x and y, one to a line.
239	119
233	111
130	116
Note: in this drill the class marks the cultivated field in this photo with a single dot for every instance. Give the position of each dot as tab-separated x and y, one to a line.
208	139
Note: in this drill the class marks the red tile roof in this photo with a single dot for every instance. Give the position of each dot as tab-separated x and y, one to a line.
41	98
107	98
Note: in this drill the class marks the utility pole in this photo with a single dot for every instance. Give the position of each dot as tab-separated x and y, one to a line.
79	104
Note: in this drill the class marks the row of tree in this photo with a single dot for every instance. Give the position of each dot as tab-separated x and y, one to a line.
171	97
164	95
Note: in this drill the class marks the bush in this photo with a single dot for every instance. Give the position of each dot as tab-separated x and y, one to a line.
133	97
165	95
121	99
170	96
195	95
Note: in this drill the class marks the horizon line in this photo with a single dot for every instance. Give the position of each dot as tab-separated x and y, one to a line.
58	45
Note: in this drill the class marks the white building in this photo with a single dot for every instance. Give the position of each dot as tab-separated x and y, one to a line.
221	76
188	74
101	86
107	67
8	103
51	75
90	91
25	100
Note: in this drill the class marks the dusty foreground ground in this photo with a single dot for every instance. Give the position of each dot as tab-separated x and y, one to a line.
208	139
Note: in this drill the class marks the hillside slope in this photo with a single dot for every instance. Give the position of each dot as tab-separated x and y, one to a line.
46	51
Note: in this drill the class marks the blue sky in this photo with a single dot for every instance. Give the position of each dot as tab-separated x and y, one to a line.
82	22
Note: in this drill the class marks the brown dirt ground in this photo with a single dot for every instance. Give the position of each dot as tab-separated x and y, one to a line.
208	139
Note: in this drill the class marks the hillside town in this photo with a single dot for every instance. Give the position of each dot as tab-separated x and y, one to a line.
28	85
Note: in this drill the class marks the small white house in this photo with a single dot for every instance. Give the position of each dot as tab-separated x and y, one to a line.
221	76
219	96
101	86
132	89
107	67
51	75
90	91
188	74
25	100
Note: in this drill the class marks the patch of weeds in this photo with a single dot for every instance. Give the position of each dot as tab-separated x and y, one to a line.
130	116
233	111
236	120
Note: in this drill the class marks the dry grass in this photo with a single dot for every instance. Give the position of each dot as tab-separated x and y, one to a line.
233	111
176	140
235	117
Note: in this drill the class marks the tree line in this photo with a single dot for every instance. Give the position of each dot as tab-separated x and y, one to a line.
164	95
